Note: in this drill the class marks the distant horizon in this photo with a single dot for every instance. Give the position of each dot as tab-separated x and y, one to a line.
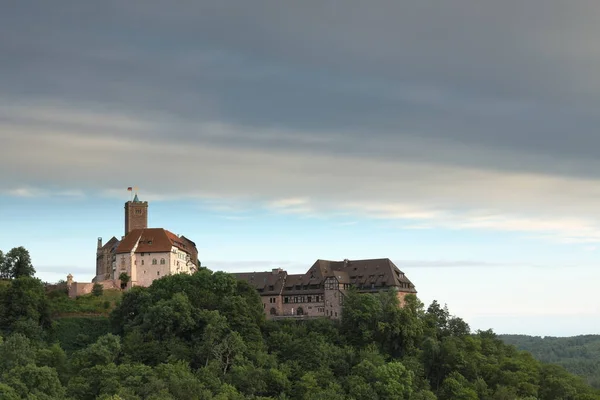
425	274
460	142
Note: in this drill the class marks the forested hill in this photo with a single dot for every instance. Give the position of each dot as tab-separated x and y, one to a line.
579	354
204	336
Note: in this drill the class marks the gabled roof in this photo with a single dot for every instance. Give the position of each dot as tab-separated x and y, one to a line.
267	283
110	244
366	275
379	272
152	240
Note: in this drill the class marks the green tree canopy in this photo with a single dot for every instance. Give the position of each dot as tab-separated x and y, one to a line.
18	263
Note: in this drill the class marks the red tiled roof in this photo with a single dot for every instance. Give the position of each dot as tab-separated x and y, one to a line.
153	240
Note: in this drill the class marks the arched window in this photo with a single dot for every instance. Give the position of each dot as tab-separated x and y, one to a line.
154	261
300	311
162	261
273	311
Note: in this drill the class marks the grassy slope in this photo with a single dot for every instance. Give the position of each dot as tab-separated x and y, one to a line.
579	355
63	305
79	322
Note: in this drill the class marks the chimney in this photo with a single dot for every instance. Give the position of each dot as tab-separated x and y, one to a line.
346	262
99	243
276	271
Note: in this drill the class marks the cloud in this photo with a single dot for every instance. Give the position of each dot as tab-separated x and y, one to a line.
463	116
253	266
293	180
33	192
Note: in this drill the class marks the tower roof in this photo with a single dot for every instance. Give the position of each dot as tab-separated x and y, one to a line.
136	199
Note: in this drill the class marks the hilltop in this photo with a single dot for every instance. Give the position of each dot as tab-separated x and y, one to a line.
205	336
579	355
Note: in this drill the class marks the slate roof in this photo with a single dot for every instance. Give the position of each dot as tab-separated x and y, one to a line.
381	272
365	275
267	283
111	244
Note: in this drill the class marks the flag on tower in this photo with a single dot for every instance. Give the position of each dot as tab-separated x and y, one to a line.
129	189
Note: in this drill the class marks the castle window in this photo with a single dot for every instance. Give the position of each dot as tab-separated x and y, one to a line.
142	262
286	299
271	287
310	299
143	254
273	311
154	262
162	261
157	272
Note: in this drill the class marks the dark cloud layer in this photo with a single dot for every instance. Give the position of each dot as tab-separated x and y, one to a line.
505	85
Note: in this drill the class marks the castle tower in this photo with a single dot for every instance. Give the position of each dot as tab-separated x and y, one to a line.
136	215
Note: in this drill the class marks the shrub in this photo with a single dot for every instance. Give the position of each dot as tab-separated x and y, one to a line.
97	290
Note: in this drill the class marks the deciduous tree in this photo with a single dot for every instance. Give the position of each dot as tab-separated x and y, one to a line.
18	263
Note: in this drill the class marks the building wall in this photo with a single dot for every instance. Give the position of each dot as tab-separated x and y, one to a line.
123	265
145	272
104	259
181	262
401	297
142	271
313	309
270	302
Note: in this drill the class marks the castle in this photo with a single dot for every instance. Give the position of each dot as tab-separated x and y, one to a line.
144	254
320	292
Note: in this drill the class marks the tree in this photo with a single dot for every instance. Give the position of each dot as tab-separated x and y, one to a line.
3	267
15	351
18	263
33	382
25	299
124	278
97	290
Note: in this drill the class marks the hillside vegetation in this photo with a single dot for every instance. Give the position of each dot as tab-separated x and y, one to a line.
204	336
579	355
62	305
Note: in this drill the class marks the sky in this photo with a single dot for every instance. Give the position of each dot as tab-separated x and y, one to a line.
457	138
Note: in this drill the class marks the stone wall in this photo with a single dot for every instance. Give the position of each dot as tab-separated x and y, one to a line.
80	288
313	309
401	296
136	216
